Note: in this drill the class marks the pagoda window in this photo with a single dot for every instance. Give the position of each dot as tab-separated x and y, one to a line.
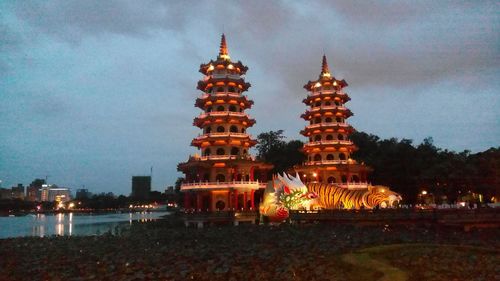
244	152
339	120
337	103
331	180
342	156
328	120
231	90
220	129
317	157
328	103
317	120
340	137
247	178
235	151
354	178
207	152
317	104
220	178
241	109
243	130
310	158
208	130
220	108
344	178
329	137
209	90
221	151
206	177
232	108
233	129
220	89
209	109
329	157
317	138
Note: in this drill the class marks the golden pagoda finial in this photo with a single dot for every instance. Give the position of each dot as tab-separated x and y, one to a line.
223	53
325	72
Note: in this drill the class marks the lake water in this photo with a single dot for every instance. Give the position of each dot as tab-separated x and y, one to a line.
42	225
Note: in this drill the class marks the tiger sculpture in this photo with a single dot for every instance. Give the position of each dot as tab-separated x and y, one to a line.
287	193
331	196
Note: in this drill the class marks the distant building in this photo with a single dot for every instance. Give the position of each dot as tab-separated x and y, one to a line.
51	193
5	193
17	192
33	193
169	190
141	186
83	194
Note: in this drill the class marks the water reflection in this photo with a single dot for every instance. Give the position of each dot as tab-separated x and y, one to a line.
42	225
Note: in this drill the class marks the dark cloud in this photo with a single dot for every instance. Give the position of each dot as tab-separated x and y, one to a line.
73	20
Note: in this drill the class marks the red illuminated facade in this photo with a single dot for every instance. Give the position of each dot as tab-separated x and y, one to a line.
329	148
224	177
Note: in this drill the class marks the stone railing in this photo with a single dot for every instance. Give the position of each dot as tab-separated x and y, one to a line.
218	185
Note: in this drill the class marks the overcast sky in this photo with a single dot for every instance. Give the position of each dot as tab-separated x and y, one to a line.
93	92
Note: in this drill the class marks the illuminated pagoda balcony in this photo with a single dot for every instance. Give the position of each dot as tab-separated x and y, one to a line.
209	82
333	110
327	128
207	100
330	143
227	138
223	117
330	162
338	95
255	185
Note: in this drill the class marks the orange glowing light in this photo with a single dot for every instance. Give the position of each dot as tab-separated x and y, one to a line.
233	102
219	83
220	142
219	165
331	168
208	103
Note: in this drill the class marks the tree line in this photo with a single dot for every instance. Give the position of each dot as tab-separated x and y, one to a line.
407	168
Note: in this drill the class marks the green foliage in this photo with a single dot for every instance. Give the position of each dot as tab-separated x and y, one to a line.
409	169
272	148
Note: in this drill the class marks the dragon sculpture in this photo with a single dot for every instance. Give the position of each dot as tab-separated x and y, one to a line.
287	193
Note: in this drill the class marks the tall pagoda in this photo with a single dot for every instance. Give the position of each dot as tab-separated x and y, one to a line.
329	148
225	177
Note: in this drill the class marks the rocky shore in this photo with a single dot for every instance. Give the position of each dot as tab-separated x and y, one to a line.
162	250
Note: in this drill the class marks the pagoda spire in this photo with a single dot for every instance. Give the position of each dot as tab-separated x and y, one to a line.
325	71
223	52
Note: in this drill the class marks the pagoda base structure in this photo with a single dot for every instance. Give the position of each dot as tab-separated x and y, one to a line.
348	174
234	185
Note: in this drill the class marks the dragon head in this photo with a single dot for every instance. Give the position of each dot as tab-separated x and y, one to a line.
286	193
